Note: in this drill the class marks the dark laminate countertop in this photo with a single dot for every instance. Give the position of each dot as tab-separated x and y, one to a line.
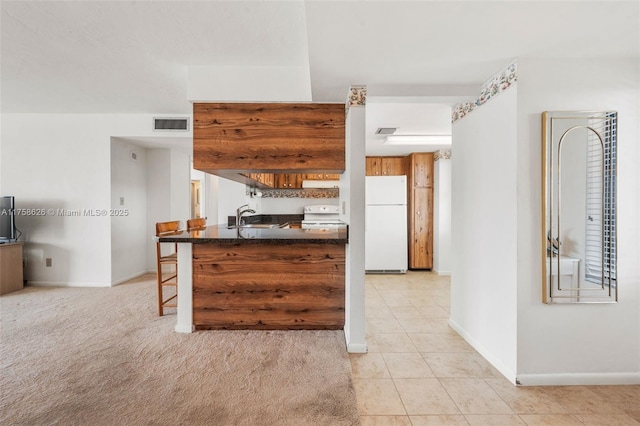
221	234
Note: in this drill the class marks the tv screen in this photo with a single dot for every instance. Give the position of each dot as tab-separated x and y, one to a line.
7	219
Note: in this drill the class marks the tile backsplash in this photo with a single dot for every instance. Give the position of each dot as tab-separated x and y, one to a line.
301	193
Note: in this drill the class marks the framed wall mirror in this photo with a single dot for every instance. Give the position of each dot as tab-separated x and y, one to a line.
579	207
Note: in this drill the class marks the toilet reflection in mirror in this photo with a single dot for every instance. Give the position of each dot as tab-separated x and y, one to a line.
579	207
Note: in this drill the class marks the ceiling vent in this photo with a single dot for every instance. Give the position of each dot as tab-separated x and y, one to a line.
171	124
386	130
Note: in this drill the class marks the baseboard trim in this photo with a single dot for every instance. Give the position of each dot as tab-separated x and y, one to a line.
65	284
560	379
442	273
184	328
352	347
130	277
568	379
496	363
357	348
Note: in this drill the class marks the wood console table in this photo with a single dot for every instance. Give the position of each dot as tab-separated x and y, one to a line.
11	278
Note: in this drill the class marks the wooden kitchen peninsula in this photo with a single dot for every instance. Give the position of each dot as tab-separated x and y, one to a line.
253	278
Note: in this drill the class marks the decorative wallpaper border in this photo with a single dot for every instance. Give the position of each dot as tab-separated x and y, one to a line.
357	96
491	88
301	193
443	154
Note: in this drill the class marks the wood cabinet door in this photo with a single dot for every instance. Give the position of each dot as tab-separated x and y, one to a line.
321	176
280	180
422	164
334	176
421	229
288	180
266	179
373	166
392	166
295	180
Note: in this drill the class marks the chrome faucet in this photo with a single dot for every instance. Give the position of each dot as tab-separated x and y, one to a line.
240	212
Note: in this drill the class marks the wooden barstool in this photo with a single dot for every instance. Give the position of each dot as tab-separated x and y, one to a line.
166	260
196	223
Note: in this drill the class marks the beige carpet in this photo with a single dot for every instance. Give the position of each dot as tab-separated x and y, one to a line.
79	356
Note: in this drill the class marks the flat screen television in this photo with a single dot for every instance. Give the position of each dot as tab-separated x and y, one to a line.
7	219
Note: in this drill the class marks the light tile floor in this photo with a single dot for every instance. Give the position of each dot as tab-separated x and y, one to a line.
420	372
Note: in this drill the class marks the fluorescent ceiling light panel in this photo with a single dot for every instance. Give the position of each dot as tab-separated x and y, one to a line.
418	140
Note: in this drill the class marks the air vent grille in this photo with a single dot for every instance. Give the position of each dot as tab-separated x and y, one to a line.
386	130
171	124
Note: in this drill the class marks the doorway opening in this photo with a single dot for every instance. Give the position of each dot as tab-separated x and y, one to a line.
196	199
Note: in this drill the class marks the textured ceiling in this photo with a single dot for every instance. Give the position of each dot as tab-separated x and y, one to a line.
133	56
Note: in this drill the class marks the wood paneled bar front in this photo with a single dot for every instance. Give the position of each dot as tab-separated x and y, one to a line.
268	286
253	278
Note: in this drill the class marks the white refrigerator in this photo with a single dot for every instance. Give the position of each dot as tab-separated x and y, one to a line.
386	224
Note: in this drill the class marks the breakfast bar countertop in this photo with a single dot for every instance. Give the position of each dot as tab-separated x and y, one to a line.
222	234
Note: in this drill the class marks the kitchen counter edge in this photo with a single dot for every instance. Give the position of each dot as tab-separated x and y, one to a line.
221	234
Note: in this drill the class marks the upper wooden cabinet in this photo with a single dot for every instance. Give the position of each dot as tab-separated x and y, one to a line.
421	165
268	137
392	166
321	176
385	166
288	180
266	179
294	180
373	166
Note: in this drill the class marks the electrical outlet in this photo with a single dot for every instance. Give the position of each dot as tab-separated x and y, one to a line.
344	207
48	261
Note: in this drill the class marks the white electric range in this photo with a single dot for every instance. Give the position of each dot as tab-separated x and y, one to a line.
322	216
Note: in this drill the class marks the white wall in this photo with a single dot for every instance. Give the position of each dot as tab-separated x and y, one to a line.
352	183
483	223
442	217
62	161
211	199
129	238
180	186
158	197
168	193
232	195
578	343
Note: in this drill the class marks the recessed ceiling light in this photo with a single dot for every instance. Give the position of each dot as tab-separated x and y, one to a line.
417	140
